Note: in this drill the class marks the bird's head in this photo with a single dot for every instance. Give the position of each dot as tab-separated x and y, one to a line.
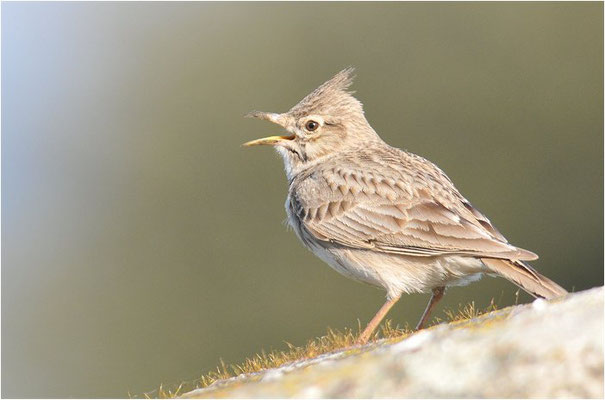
326	121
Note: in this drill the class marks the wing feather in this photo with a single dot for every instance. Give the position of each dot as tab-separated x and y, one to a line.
421	215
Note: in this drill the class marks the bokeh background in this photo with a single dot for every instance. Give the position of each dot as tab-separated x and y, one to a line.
141	243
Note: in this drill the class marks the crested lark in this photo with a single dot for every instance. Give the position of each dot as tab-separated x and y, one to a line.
381	215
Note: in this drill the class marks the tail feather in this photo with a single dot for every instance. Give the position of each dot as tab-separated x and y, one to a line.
524	276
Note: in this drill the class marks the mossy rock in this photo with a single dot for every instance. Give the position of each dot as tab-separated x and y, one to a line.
542	349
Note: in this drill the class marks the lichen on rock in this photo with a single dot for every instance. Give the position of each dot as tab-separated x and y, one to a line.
542	349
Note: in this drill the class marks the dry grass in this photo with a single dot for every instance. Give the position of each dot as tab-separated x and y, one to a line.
334	340
467	312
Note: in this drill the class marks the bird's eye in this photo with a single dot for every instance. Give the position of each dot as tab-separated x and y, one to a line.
311	125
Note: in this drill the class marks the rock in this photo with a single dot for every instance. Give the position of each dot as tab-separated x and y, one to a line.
542	349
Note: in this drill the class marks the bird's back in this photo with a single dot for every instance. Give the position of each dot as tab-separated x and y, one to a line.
390	200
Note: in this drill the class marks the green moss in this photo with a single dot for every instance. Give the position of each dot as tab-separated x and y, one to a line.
334	341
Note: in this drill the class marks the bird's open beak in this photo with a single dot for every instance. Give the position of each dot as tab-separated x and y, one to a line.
271	140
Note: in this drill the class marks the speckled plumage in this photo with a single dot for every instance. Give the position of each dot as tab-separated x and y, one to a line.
382	215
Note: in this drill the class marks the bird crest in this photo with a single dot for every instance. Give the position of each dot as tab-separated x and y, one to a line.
333	97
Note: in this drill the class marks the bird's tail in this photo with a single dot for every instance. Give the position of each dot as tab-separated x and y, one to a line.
524	276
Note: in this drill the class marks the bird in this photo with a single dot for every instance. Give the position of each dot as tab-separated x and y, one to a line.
381	215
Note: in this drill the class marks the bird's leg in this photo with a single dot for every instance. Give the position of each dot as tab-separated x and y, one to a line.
435	297
367	332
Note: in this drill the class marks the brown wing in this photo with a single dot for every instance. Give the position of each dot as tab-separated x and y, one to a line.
398	213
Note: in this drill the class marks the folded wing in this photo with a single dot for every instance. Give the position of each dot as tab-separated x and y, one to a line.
408	216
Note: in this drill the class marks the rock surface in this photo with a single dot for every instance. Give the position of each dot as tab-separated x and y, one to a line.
542	349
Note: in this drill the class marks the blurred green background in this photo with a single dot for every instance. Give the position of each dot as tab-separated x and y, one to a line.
141	243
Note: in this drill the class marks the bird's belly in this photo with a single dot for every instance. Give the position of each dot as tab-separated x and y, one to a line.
395	273
401	274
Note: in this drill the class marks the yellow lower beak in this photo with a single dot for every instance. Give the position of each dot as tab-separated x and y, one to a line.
271	140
